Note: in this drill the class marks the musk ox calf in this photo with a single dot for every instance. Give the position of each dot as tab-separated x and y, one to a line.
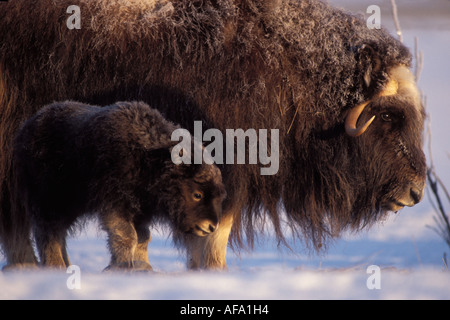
73	159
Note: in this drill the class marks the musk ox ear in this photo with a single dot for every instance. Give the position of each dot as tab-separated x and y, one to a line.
369	62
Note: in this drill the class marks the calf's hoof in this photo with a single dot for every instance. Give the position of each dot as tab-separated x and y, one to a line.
135	266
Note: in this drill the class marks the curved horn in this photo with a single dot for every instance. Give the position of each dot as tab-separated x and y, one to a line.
352	118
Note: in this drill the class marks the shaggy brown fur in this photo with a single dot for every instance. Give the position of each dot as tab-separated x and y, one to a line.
73	159
298	66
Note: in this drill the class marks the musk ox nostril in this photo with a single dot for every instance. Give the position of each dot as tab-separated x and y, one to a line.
416	194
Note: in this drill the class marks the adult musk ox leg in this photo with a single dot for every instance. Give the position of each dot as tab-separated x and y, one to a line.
15	236
51	245
210	252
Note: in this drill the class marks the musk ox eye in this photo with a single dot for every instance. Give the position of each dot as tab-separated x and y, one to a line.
197	196
386	117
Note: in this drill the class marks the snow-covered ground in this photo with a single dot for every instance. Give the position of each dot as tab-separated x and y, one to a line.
408	252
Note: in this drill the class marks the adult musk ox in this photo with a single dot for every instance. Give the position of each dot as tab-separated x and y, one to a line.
72	159
314	72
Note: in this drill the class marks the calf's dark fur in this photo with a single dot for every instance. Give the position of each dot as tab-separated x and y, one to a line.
73	159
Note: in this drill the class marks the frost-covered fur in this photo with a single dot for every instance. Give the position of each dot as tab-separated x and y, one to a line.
73	159
297	66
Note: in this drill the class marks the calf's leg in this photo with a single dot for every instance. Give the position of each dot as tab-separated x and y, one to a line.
128	248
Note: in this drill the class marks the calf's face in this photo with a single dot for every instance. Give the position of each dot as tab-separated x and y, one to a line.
202	196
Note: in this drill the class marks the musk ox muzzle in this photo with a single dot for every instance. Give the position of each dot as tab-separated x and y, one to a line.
412	195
